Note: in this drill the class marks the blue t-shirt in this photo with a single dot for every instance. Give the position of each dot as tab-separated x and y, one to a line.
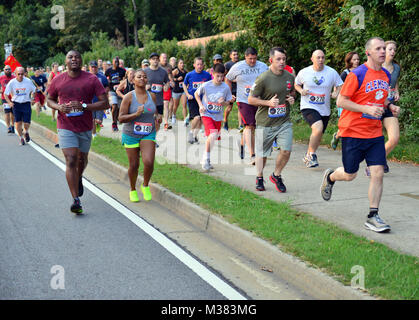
41	80
104	82
194	80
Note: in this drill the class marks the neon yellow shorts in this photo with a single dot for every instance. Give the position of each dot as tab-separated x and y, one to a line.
131	142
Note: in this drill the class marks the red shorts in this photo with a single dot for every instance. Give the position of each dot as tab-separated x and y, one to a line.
167	95
247	113
39	97
211	126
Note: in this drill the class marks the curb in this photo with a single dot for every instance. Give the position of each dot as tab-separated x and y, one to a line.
309	280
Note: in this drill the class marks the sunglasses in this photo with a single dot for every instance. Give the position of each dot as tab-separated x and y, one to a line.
20	74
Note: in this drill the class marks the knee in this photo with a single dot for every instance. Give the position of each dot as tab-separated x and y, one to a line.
148	163
72	161
349	176
133	165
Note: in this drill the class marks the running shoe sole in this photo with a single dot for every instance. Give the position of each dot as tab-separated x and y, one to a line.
371	227
272	179
326	196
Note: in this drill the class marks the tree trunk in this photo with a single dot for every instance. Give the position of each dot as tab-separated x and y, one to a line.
127	31
135	24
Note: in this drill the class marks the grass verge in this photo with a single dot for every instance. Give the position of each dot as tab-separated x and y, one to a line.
388	274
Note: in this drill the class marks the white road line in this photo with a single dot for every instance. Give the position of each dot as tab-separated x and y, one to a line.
221	286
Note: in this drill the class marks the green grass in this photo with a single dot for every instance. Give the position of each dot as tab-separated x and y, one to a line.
388	274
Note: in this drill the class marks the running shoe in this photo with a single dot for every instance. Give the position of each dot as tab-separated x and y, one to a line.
335	141
76	207
196	140
277	181
252	160
259	184
311	161
375	223
27	137
326	187
226	126
114	127
166	126
386	168
13	129
275	146
173	120
133	196
146	192
81	188
22	141
9	130
206	166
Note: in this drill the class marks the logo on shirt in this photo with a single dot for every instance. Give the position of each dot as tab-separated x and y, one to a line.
379	95
288	85
376	85
318	81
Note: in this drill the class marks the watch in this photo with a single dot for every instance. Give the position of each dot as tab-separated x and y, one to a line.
84	106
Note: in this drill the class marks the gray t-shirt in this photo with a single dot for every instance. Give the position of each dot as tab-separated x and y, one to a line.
157	79
245	76
144	124
210	94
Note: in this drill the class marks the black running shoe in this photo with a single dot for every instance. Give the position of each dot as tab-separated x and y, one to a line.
76	207
277	181
81	189
27	137
259	184
9	130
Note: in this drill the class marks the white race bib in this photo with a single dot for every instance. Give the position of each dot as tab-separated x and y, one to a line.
277	112
156	88
214	107
316	98
142	128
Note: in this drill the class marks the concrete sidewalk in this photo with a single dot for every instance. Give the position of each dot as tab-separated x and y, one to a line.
349	205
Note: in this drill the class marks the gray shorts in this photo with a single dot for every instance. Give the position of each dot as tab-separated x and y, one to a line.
98	115
265	137
70	139
114	98
177	95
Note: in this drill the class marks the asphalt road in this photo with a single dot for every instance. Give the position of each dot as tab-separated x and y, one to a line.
47	252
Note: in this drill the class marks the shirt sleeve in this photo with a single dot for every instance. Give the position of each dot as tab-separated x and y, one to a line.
338	79
299	78
52	90
257	88
350	86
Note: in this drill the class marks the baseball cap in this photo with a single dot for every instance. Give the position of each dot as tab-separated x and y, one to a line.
93	63
217	57
154	54
145	61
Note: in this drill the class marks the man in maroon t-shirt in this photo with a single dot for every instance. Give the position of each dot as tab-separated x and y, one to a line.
71	93
8	112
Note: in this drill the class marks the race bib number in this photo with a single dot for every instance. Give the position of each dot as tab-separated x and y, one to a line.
156	88
247	90
214	107
315	98
196	85
74	113
367	116
142	128
277	112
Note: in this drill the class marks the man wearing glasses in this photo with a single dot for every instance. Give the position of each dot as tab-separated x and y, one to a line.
21	89
4	80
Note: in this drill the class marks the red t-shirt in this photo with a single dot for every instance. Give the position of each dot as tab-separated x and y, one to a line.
4	80
364	86
82	89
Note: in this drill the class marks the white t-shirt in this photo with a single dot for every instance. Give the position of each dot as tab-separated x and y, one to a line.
245	77
20	91
320	85
210	94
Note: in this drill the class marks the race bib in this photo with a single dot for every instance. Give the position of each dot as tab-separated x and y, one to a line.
74	113
315	98
247	90
367	116
142	128
214	107
156	88
6	106
277	112
196	85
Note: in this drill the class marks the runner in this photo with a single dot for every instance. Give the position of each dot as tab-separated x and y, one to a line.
114	75
21	89
127	84
390	122
218	58
157	78
178	95
215	96
138	114
245	73
273	93
71	93
193	80
315	84
145	64
167	92
98	114
234	58
8	110
364	98
351	62
55	72
40	81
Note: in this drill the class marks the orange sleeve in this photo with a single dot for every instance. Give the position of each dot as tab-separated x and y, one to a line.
350	85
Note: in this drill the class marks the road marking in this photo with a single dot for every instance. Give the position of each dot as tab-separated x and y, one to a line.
212	279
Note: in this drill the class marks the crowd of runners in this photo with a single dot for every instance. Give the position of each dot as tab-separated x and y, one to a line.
145	100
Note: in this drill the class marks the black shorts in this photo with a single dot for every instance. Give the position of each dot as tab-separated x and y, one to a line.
6	107
160	109
193	109
387	114
312	116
